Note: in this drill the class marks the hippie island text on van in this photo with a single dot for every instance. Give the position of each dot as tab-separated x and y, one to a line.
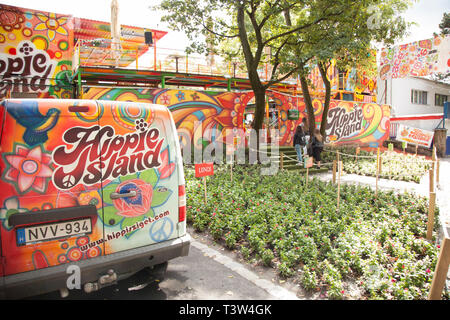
97	154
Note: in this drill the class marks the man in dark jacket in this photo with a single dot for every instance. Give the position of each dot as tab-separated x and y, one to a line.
299	143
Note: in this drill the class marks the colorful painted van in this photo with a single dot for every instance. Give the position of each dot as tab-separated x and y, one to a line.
95	184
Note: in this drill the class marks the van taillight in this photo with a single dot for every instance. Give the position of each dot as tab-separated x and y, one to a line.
181	203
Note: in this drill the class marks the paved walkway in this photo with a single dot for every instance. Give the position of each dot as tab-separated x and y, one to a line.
422	188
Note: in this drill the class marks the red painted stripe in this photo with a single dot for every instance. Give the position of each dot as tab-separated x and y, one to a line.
181	190
437	117
181	214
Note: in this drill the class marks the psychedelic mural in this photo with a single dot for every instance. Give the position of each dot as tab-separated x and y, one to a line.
354	80
419	58
35	53
218	112
223	112
357	123
347	122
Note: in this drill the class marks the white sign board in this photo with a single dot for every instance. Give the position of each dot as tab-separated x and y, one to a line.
415	136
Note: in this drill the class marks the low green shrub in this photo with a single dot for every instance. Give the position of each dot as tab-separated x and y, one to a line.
394	165
376	242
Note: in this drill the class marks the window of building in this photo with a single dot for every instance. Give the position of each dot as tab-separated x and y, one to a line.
418	96
439	99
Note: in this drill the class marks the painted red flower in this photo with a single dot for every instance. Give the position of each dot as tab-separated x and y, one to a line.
166	169
29	168
134	206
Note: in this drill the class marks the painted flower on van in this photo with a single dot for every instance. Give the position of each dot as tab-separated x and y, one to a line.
127	211
28	168
136	205
80	195
10	207
167	168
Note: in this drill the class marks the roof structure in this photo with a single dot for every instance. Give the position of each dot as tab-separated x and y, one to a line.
116	77
86	29
97	61
93	42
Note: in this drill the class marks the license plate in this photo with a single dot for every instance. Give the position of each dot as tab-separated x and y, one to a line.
53	231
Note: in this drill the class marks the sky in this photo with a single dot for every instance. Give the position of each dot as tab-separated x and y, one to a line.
426	13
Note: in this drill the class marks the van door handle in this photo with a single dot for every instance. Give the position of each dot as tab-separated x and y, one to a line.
116	195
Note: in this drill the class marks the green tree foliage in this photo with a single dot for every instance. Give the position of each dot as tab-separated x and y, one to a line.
445	24
349	38
289	34
258	25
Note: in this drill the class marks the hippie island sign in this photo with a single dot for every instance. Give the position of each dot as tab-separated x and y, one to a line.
96	154
415	136
27	70
342	123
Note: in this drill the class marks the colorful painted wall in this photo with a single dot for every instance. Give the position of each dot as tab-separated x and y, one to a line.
419	58
35	52
222	113
36	58
359	84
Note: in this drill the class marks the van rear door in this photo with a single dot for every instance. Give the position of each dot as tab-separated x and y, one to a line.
140	175
48	203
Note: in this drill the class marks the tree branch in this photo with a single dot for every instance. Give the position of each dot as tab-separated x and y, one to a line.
300	28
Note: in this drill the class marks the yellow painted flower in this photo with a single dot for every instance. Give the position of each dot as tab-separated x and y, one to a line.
52	24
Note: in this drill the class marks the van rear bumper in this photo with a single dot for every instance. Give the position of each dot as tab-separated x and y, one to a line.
124	264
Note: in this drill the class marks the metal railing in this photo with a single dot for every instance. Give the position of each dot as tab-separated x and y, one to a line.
100	53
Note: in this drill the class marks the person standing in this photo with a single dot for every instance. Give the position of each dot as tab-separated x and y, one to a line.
299	143
317	146
305	128
304	124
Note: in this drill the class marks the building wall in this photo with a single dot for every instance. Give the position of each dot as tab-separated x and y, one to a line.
222	114
398	95
35	53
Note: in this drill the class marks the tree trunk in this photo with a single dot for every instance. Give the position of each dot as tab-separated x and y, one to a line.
260	106
308	103
326	107
252	70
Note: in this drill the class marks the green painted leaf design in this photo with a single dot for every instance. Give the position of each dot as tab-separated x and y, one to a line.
150	176
128	222
160	196
130	177
110	217
150	213
9	213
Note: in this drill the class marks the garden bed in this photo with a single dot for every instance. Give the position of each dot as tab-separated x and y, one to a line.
376	244
394	165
